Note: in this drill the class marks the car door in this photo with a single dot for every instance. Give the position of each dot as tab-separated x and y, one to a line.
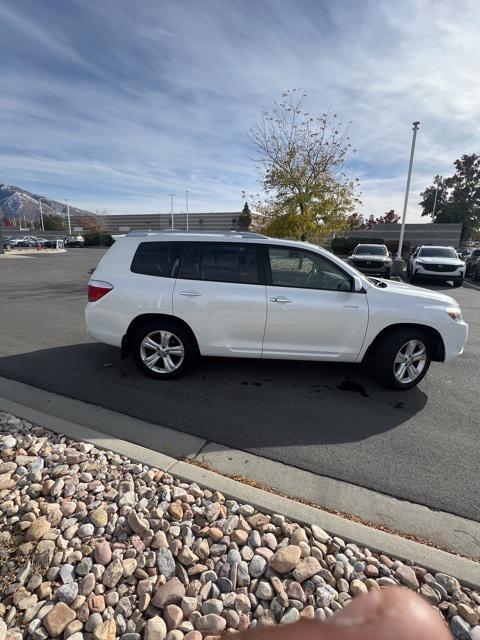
220	293
312	313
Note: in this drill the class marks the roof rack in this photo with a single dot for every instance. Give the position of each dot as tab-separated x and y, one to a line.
238	234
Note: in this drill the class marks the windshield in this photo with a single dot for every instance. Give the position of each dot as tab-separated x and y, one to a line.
370	251
437	252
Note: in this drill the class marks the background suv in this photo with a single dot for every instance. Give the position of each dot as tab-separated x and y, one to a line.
436	263
167	297
471	261
373	259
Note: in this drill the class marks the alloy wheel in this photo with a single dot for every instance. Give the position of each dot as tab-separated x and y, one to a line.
162	351
410	361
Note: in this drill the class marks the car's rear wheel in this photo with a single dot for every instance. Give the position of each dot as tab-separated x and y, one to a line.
163	349
402	358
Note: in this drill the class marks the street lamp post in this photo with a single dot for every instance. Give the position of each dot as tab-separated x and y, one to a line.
41	213
171	207
68	218
405	204
435	200
186	206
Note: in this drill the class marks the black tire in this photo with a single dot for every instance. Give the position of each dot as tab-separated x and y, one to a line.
180	337
387	275
386	352
458	282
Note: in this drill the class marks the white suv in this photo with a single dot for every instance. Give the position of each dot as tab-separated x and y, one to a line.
168	297
436	263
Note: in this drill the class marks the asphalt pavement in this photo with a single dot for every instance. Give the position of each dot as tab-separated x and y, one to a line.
331	419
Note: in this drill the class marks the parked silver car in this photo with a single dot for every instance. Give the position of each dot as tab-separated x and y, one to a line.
372	259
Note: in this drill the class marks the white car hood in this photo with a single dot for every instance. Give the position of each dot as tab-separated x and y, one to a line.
402	288
438	260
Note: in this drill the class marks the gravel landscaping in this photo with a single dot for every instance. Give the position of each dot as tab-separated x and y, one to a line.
94	546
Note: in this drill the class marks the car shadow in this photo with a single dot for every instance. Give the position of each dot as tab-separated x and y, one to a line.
255	405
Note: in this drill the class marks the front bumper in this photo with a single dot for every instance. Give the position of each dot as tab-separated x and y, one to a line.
455	340
383	270
423	272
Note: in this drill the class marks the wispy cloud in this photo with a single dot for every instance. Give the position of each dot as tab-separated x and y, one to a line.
116	105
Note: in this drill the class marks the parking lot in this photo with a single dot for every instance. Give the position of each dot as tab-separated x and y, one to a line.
331	419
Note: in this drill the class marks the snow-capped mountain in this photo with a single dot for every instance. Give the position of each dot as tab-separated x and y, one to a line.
16	203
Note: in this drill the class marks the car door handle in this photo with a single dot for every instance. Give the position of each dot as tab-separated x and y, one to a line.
280	299
190	294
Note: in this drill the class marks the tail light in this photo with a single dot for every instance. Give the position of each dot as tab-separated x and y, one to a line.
97	289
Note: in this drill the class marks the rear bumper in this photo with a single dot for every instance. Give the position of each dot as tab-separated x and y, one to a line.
103	325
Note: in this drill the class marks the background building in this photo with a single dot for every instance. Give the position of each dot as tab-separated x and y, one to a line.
433	234
123	223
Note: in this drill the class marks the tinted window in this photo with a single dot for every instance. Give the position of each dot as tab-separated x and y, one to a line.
220	262
297	268
156	259
437	252
371	251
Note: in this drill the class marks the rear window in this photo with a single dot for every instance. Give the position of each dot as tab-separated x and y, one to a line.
220	262
156	259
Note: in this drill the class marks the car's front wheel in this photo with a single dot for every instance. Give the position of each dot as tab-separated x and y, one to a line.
458	282
163	349
402	358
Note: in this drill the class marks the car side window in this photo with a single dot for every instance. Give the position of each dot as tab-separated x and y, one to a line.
220	262
297	268
156	259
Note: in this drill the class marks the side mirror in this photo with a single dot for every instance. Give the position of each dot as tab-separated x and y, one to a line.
357	285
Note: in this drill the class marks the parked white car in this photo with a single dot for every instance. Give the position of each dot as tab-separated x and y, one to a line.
167	297
436	263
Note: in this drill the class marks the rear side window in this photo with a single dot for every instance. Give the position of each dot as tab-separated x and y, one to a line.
220	262
156	259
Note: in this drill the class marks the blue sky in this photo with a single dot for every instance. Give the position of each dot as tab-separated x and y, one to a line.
116	103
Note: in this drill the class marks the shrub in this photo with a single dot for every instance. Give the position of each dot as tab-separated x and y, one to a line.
393	247
95	239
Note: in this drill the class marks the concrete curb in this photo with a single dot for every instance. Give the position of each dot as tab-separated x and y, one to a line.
470	285
467	571
447	531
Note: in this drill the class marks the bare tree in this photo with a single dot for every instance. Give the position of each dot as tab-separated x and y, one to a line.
303	158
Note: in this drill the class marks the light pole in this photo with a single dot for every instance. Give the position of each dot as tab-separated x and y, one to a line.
407	190
68	218
186	206
435	201
171	207
41	213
